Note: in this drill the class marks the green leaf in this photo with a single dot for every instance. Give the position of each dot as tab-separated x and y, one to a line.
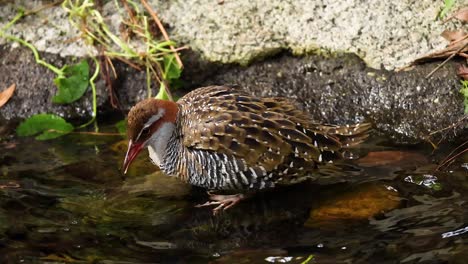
48	126
171	67
73	84
448	4
464	91
162	95
121	126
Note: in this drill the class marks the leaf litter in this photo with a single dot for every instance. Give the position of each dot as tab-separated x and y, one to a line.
6	94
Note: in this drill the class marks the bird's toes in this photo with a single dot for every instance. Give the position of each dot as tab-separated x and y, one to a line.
219	208
208	203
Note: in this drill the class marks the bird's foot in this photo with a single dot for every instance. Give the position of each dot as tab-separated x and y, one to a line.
223	202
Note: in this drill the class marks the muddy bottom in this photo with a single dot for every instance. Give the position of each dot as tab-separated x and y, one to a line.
65	201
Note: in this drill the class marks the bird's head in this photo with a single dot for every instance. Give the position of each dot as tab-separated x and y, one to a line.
146	123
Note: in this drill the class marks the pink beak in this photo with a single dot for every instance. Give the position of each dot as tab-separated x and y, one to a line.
132	153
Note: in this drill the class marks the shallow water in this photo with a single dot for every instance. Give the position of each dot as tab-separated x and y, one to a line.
65	201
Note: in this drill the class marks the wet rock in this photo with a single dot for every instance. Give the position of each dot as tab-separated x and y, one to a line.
35	87
334	89
340	89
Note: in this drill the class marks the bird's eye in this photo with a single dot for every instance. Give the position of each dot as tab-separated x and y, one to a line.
144	132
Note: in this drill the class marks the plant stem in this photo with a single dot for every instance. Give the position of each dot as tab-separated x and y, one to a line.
23	42
13	21
96	133
93	89
311	257
51	67
163	31
164	85
148	80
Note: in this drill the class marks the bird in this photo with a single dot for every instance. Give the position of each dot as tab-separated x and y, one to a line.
223	139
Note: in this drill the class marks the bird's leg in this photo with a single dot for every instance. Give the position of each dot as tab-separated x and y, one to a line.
222	201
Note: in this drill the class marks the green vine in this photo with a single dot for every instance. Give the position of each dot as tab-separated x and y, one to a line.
157	57
154	56
27	44
50	126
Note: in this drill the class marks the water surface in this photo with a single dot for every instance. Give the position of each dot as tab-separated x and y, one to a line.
65	201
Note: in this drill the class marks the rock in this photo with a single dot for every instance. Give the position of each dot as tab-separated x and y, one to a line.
358	205
336	88
340	89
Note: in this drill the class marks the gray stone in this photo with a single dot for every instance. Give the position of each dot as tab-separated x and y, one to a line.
383	33
338	89
388	33
334	89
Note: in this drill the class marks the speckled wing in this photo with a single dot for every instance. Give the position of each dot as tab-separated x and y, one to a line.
267	133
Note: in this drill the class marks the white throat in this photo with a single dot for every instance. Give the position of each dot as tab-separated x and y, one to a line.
157	144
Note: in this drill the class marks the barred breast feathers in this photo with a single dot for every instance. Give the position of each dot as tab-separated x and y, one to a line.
267	134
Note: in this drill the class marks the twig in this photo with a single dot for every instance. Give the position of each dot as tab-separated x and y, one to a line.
452	158
87	133
163	31
109	62
454	15
130	12
449	127
42	8
434	145
446	60
136	67
160	80
166	84
453	151
105	73
459	40
96	133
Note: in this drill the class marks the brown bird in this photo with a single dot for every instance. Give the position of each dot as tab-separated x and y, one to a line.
221	138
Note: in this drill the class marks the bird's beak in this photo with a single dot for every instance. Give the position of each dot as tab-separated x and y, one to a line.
132	153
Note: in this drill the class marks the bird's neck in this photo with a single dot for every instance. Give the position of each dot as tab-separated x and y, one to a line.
157	144
171	110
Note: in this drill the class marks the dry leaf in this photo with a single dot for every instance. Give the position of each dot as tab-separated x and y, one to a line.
6	94
453	35
461	15
462	71
459	46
